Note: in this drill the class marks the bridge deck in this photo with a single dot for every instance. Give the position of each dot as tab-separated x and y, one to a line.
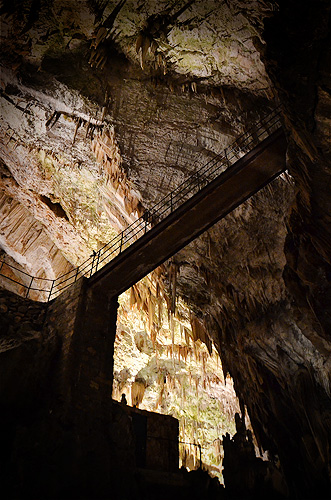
240	181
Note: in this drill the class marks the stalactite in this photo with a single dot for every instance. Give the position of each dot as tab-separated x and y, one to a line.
196	381
173	270
160	312
137	392
53	119
78	124
151	310
194	87
172	331
108	156
199	331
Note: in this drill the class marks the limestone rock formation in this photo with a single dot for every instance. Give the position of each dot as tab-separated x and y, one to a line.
106	106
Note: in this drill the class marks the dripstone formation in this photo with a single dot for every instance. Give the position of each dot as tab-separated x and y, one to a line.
105	107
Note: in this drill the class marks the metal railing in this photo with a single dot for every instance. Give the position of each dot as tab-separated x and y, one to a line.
47	289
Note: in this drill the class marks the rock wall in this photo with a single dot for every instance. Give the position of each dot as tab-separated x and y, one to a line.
266	309
26	353
27	247
55	121
303	79
297	51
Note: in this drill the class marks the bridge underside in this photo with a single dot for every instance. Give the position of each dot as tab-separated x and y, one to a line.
243	179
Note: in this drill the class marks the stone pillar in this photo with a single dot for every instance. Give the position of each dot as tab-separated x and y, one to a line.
82	443
91	355
85	319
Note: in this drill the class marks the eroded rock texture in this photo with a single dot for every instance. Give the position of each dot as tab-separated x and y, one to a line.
106	106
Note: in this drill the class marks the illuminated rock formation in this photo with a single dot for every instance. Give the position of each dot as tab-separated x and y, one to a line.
107	106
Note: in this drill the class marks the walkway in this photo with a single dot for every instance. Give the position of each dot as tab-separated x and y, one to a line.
250	163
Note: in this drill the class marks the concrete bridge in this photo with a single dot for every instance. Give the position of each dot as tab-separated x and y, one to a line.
215	200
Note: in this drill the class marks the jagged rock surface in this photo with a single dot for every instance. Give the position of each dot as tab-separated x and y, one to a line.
184	86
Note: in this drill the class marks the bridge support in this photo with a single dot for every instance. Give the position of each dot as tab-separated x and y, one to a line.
85	320
76	443
91	358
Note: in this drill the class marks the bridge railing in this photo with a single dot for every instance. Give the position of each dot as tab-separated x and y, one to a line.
49	289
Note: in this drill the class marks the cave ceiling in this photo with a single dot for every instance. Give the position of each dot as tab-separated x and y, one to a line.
108	105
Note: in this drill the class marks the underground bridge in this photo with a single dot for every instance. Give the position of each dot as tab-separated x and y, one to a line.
89	293
227	181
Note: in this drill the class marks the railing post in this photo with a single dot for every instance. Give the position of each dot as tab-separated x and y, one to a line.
51	290
96	267
199	446
94	254
2	263
198	180
226	158
121	242
29	287
76	275
171	202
